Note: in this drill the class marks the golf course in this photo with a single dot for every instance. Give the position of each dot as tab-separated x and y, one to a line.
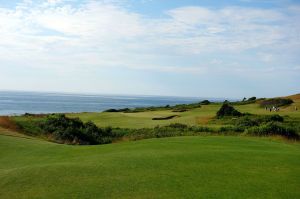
149	99
208	165
197	116
181	167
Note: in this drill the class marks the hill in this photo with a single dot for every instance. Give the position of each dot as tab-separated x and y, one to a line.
295	97
182	167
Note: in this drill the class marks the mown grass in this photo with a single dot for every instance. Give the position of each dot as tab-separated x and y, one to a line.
198	116
144	119
181	167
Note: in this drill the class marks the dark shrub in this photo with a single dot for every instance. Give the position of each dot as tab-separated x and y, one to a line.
276	102
112	110
247	121
252	99
73	130
273	128
274	118
125	110
177	126
205	102
201	129
227	110
256	120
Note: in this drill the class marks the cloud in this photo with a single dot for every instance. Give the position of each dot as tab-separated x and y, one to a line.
104	34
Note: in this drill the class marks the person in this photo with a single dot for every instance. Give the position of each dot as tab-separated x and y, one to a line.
266	108
296	108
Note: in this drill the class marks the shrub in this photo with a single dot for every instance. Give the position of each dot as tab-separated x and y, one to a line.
274	118
73	130
227	110
201	129
273	128
205	102
276	102
247	121
112	110
252	99
177	126
256	120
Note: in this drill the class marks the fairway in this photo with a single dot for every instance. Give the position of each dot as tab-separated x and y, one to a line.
180	167
197	116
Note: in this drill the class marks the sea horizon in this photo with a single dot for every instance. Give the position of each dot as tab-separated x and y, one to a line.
36	102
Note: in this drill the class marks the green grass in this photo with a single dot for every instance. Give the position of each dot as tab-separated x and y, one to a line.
178	167
144	119
181	167
198	116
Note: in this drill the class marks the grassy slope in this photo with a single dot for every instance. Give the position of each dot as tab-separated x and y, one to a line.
194	117
144	119
183	167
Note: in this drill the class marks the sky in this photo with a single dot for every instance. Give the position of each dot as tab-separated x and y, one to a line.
199	48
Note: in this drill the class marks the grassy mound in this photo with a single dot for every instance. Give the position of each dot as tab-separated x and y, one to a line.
182	167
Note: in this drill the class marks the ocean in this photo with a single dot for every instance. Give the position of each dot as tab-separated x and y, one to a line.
17	103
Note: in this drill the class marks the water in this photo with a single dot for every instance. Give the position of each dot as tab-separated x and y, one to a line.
16	103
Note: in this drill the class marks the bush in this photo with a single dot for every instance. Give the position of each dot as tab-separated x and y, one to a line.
74	131
256	120
276	102
205	102
177	126
227	110
197	129
274	118
252	99
273	128
247	121
112	110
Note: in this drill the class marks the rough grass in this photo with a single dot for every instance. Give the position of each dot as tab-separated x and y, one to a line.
182	167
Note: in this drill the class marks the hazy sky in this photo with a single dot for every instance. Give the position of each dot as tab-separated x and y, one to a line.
203	48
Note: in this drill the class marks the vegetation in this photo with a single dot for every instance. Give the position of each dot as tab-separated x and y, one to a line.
273	128
178	167
175	108
59	128
73	131
245	101
228	110
205	102
252	99
133	126
277	102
